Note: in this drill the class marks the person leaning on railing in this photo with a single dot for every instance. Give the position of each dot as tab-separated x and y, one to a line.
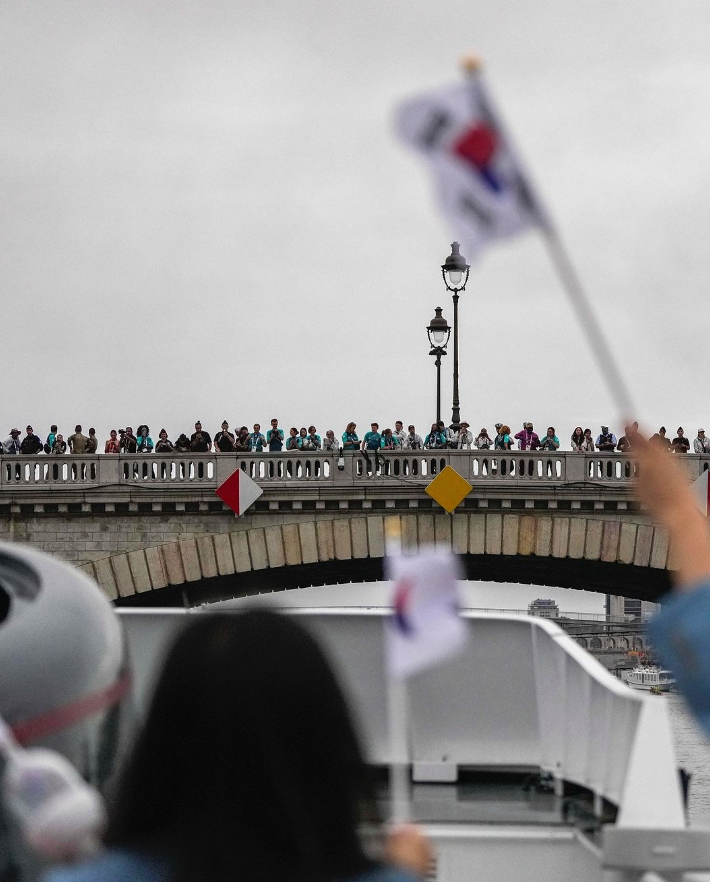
463	439
224	440
578	442
680	443
550	441
330	442
606	440
241	442
435	440
313	440
164	444
92	442
389	441
51	438
412	441
350	438
293	442
128	441
503	441
701	443
182	445
77	441
31	443
275	437
257	441
527	438
200	441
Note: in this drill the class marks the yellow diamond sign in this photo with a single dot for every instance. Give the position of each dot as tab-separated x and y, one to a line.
449	489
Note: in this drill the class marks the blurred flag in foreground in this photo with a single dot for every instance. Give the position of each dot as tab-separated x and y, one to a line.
425	627
481	185
701	490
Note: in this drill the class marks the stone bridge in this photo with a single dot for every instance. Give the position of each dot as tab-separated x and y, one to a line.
151	531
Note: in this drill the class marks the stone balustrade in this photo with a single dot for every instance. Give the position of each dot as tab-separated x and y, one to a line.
347	472
141	523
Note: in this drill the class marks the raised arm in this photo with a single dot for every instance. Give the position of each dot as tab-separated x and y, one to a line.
664	488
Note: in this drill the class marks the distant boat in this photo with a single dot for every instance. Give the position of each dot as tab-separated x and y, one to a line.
651	678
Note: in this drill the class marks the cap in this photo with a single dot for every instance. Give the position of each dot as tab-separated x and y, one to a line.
700	430
465	424
410	427
603	427
499	425
15	432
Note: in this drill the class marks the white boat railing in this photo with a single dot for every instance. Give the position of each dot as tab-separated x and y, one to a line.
522	695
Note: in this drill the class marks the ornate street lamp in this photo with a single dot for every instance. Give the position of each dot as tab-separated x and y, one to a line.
438	332
455	272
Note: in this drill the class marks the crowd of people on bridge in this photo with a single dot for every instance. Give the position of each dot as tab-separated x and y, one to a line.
276	439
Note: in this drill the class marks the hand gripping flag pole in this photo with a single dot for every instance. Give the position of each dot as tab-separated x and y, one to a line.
425	629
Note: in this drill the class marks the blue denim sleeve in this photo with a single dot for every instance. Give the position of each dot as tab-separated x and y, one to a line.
680	635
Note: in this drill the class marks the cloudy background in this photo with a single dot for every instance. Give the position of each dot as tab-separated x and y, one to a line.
204	212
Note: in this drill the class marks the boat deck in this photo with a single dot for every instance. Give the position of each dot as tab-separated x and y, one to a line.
495	798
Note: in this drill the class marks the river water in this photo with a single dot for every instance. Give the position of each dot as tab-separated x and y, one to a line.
693	753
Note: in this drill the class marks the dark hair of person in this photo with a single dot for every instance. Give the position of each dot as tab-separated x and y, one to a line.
248	766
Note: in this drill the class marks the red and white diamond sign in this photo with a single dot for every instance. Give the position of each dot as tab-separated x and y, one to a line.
239	491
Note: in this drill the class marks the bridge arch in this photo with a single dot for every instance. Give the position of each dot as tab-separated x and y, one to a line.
594	553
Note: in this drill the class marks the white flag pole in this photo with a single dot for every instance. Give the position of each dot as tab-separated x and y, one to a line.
397	710
616	385
562	263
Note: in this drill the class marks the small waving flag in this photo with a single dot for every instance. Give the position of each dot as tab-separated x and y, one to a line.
480	182
425	627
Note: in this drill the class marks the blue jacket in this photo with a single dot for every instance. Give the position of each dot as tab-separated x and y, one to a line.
117	865
680	634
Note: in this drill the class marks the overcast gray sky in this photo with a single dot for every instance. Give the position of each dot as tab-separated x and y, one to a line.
205	212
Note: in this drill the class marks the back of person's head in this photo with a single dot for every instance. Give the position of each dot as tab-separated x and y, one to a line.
248	765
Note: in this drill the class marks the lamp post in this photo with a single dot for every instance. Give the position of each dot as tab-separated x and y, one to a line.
438	332
455	272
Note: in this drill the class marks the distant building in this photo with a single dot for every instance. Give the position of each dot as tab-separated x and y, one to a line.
641	610
544	609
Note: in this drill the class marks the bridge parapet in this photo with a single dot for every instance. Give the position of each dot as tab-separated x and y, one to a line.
146	523
387	471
